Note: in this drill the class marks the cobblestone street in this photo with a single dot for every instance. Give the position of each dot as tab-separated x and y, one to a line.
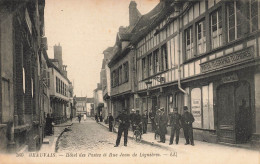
92	137
94	140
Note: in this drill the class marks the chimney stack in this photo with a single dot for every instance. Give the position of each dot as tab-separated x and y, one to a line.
58	55
134	14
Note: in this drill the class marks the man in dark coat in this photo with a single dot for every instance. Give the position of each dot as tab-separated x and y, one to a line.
156	122
137	120
144	121
124	123
152	118
49	126
110	122
187	120
79	117
175	123
163	120
131	117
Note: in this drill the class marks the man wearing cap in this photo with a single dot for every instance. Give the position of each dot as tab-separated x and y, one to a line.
163	120
187	120
124	123
175	123
132	116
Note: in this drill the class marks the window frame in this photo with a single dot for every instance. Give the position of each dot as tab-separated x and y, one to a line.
219	31
189	48
201	42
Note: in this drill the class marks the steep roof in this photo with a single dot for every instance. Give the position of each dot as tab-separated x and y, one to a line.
150	20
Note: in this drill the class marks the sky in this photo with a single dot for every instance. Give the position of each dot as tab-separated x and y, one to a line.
84	29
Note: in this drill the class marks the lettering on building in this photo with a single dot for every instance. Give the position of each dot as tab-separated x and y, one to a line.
229	60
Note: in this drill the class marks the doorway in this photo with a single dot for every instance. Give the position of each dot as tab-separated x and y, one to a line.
234	112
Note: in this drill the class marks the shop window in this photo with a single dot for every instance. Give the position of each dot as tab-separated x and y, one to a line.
189	43
150	65
170	104
207	101
196	107
216	29
201	37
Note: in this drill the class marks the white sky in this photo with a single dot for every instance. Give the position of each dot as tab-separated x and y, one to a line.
85	28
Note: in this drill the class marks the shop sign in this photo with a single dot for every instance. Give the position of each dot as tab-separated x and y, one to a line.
228	60
231	78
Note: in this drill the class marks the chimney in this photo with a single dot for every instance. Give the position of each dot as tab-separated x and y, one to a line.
134	14
58	55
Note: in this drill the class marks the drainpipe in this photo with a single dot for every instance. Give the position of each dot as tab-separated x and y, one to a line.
179	69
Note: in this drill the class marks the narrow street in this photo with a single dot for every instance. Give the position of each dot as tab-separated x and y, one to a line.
94	140
92	137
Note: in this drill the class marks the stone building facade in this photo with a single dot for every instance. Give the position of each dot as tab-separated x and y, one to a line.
21	30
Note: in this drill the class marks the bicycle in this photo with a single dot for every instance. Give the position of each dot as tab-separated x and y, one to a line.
138	133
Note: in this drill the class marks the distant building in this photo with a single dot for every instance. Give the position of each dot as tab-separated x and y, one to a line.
89	106
105	81
98	100
81	105
59	88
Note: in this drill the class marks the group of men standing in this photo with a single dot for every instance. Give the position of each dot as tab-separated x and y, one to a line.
159	124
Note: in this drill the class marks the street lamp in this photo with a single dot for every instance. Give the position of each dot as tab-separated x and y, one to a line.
148	85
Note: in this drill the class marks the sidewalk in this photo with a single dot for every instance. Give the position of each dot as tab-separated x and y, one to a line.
49	142
148	138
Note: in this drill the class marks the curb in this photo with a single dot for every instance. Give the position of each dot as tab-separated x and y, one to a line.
143	141
58	138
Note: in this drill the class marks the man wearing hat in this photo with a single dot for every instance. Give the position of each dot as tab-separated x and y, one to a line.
175	123
163	120
137	120
187	120
124	123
